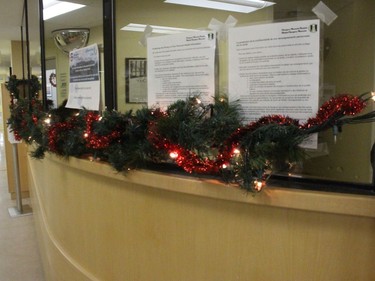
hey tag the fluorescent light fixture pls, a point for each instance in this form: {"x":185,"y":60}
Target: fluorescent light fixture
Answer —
{"x":250,"y":3}
{"x":240,"y":6}
{"x":53,"y":8}
{"x":155,"y":28}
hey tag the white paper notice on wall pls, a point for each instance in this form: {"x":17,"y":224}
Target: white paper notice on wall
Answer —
{"x":274,"y":70}
{"x":11,"y":137}
{"x":180,"y":66}
{"x":324,"y":13}
{"x":84,"y":86}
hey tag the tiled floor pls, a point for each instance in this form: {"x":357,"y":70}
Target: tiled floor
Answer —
{"x":19,"y":257}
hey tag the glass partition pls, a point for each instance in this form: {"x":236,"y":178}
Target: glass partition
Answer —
{"x":66,"y":32}
{"x":335,"y":55}
{"x":345,"y":65}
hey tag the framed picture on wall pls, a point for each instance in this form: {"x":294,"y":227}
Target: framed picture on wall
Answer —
{"x":136,"y":80}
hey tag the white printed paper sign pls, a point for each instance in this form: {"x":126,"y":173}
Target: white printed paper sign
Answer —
{"x":274,"y":69}
{"x":84,"y":86}
{"x":181,"y":66}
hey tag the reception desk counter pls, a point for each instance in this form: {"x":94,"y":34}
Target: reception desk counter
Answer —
{"x":96,"y":224}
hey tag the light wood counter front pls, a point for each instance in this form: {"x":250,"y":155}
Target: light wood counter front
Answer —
{"x":96,"y":224}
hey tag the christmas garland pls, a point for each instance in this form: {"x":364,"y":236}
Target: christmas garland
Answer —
{"x":14,"y":84}
{"x":201,"y":139}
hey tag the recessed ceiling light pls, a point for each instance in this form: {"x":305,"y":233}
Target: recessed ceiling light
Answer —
{"x":241,"y":6}
{"x":155,"y":28}
{"x":53,"y":8}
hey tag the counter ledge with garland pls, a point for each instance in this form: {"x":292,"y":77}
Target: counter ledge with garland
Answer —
{"x":201,"y":139}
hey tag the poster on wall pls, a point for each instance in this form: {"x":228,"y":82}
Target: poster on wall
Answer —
{"x":84,"y":86}
{"x":136,"y":80}
{"x":274,"y":69}
{"x":181,"y":66}
{"x":51,"y":84}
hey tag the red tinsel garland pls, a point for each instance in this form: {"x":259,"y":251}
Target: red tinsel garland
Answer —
{"x":54,"y":134}
{"x":17,"y":136}
{"x":96,"y":141}
{"x":191,"y":162}
{"x":233,"y":141}
{"x":184,"y":158}
{"x":344,"y":104}
{"x":24,"y":114}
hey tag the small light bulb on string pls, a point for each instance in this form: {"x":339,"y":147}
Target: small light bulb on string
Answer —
{"x":373,"y":96}
{"x":47,"y":121}
{"x":173,"y":154}
{"x":236,"y":151}
{"x":224,"y":166}
{"x":85,"y":135}
{"x":198,"y":101}
{"x":258,"y":185}
{"x":93,"y":158}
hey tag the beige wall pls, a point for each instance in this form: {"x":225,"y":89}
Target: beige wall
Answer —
{"x":96,"y":224}
{"x":349,"y":67}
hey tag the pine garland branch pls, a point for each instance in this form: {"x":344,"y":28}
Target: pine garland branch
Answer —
{"x":199,"y":138}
